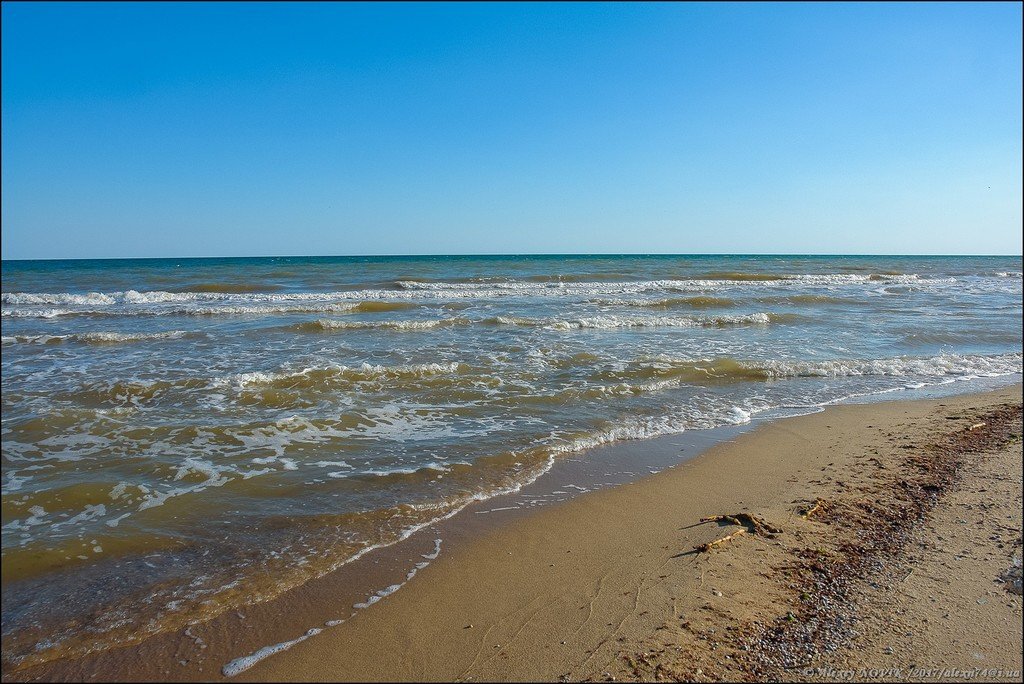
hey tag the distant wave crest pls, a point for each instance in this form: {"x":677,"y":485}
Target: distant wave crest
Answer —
{"x":209,"y":303}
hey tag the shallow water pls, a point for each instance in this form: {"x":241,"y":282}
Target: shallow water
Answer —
{"x":183,"y":436}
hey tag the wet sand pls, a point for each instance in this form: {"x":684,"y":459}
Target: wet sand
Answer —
{"x":902,"y":564}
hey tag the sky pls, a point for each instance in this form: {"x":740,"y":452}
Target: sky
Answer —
{"x":193,"y":129}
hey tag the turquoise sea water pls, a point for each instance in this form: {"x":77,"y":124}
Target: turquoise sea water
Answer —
{"x":185,"y":435}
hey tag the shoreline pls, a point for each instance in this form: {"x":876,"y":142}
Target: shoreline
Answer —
{"x":480,"y":582}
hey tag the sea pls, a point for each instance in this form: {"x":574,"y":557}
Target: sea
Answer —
{"x":182,"y":437}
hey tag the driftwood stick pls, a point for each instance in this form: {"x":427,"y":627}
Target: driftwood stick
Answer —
{"x":704,"y":548}
{"x":745,"y":521}
{"x":818,"y":504}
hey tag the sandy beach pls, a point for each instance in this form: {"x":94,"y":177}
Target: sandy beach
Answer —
{"x":885,"y":540}
{"x":511,"y":342}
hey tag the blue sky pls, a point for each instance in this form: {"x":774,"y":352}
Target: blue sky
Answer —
{"x":276,"y":129}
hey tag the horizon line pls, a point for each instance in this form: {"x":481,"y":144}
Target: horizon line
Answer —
{"x":515,"y":254}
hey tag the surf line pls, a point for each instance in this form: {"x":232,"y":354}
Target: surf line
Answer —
{"x":239,"y":665}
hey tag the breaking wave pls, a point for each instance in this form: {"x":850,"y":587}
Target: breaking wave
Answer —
{"x":98,"y":337}
{"x":732,"y":370}
{"x":612,"y":322}
{"x":133,"y":302}
{"x":333,"y":325}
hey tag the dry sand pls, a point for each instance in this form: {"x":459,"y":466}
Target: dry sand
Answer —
{"x":901,"y":566}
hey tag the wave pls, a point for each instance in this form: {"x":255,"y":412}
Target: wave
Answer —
{"x":140,"y":392}
{"x":612,"y":322}
{"x":332,"y":325}
{"x":933,"y":366}
{"x":707,"y":280}
{"x":99,"y":337}
{"x":697,"y":302}
{"x":334,"y":307}
{"x":134,"y":297}
{"x":127,"y":392}
{"x":659,"y":375}
{"x":42,"y":298}
{"x":433,"y":468}
{"x":148,"y":297}
{"x":36,"y":313}
{"x":637,"y":377}
{"x":412,"y":282}
{"x":700,"y":371}
{"x":310,"y":377}
{"x":132,"y":302}
{"x":156,"y":297}
{"x":732,"y":370}
{"x":410,"y":288}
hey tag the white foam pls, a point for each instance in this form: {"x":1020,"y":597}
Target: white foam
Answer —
{"x":36,"y":517}
{"x":384,"y":472}
{"x":635,"y":321}
{"x":115,"y":337}
{"x":90,"y":512}
{"x":211,"y":304}
{"x":14,"y":482}
{"x":194,"y":465}
{"x":738,"y":416}
{"x":600,"y":287}
{"x":35,"y":313}
{"x":389,"y":590}
{"x":114,"y":522}
{"x":383,"y":593}
{"x":132,"y":302}
{"x":119,"y":490}
{"x":433,"y":554}
{"x":942,"y":365}
{"x":334,"y":324}
{"x":64,"y":298}
{"x":96,"y":337}
{"x":328,"y":464}
{"x":242,"y":664}
{"x":239,"y":665}
{"x":365,"y":372}
{"x":159,"y":498}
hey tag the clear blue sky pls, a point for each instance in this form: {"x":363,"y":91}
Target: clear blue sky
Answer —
{"x":279,"y":129}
